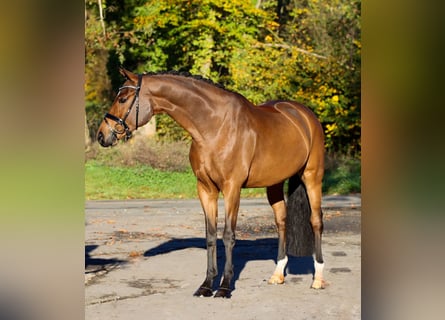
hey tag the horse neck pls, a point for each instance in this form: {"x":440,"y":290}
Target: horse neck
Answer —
{"x":195,"y":105}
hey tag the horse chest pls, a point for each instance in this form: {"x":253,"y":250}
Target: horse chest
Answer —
{"x":217,"y":166}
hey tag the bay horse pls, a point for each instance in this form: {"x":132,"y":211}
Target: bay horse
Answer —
{"x":235,"y":145}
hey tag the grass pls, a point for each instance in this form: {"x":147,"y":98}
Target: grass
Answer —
{"x":142,"y":182}
{"x":149,"y":170}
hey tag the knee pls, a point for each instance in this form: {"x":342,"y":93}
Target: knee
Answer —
{"x":229,"y":237}
{"x":211,"y":242}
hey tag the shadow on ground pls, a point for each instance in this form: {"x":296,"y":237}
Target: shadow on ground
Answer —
{"x":95,"y":265}
{"x":243,"y":252}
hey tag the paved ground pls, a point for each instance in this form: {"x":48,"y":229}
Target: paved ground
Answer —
{"x":144,"y":260}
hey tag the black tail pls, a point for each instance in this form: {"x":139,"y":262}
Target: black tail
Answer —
{"x":299,"y":234}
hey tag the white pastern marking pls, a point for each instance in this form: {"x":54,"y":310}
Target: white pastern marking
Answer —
{"x":281,"y":264}
{"x":318,"y":270}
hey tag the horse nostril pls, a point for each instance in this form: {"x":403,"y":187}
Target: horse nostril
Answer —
{"x":100,"y":138}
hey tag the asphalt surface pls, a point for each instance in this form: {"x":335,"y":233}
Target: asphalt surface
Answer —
{"x":144,"y":259}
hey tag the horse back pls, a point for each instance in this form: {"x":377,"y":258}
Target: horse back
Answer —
{"x":292,"y":113}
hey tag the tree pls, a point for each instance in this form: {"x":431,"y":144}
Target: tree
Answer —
{"x":304,"y":50}
{"x":311,"y":55}
{"x":200,"y":37}
{"x":332,"y":29}
{"x":97,"y":83}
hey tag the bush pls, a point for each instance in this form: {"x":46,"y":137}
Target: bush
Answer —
{"x":342,"y":175}
{"x":165,"y":156}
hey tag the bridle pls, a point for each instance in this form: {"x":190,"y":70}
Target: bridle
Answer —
{"x":121,"y":126}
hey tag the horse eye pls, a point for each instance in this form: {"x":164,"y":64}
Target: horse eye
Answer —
{"x":122,"y":99}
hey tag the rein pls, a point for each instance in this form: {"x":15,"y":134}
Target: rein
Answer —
{"x":121,"y":126}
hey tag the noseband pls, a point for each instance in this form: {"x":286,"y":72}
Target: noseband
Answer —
{"x":121,"y":126}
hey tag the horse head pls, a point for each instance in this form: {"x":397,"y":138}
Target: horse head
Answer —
{"x":127,"y":113}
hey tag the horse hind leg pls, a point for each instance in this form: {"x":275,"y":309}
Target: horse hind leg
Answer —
{"x":275,"y":197}
{"x":312,"y":180}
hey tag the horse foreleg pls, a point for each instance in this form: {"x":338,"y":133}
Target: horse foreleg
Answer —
{"x":231,"y":203}
{"x":208,"y":196}
{"x":275,"y":197}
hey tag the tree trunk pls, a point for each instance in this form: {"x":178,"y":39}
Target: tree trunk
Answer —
{"x":101,"y":14}
{"x":87,"y":136}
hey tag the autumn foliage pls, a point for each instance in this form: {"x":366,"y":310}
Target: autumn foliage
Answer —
{"x":303,"y":50}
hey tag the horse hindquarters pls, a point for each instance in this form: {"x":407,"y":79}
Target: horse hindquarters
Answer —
{"x":299,"y":233}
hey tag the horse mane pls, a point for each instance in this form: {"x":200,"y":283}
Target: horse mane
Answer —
{"x":187,"y":74}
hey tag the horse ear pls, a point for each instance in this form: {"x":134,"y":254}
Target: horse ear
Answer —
{"x":127,"y":74}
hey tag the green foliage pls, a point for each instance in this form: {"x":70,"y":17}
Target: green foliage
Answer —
{"x":149,"y":170}
{"x":168,"y":130}
{"x":315,"y":59}
{"x":200,"y":36}
{"x":342,"y":176}
{"x":332,"y":29}
{"x":97,"y":84}
{"x":303,"y":50}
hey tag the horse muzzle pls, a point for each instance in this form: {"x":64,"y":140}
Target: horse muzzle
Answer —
{"x":106,"y":141}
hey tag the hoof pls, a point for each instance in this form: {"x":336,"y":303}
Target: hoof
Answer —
{"x":276,"y":279}
{"x":223,"y":293}
{"x":203,"y":292}
{"x":318,"y":284}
